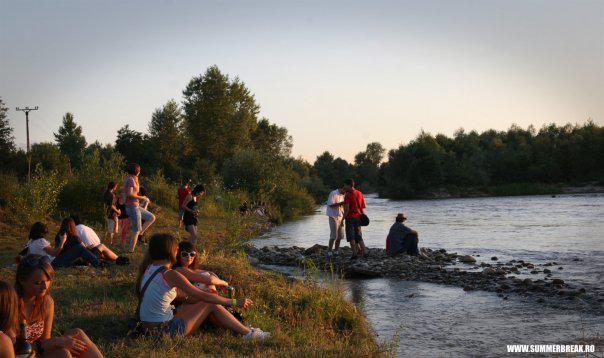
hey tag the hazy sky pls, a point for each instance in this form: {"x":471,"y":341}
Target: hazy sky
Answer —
{"x":337,"y":74}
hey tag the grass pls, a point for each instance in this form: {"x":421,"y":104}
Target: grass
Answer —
{"x":305,"y":319}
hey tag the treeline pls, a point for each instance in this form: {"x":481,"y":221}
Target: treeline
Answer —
{"x":517,"y":158}
{"x":214,"y":137}
{"x":516,"y":161}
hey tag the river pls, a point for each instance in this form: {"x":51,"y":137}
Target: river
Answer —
{"x":437,"y":320}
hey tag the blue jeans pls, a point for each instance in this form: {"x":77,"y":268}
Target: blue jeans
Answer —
{"x":66,"y":259}
{"x":175,"y":327}
{"x":137,"y":215}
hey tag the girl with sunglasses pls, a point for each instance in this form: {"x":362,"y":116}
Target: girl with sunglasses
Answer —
{"x":163,"y":286}
{"x":36,"y":309}
{"x":9,"y":317}
{"x":188,"y":266}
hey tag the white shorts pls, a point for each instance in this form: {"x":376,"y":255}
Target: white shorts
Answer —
{"x":336,"y":228}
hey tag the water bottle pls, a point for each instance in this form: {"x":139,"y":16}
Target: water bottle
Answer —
{"x":231,"y":290}
{"x":23,"y":348}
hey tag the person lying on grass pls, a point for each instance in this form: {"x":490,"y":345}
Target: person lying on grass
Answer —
{"x":72,"y":249}
{"x":93,"y":243}
{"x":36,"y":309}
{"x":188,"y":266}
{"x":156,"y":312}
{"x":9,"y":317}
{"x":66,"y":250}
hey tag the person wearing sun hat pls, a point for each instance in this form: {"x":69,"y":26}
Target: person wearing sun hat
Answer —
{"x":401,"y":239}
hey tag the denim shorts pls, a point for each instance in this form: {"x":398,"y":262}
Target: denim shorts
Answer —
{"x":175,"y":327}
{"x":137,"y":215}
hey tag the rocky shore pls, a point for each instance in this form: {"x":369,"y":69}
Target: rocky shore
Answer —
{"x":440,"y":266}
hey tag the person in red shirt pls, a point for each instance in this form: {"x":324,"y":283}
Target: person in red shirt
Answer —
{"x":183,"y":191}
{"x":354,"y":204}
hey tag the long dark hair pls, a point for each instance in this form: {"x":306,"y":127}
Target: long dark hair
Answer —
{"x":68,"y":227}
{"x":161,"y":247}
{"x":28,"y":265}
{"x":38,"y":231}
{"x":188,"y":247}
{"x":9,"y":308}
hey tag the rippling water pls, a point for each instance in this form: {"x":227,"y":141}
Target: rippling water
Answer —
{"x":437,"y":320}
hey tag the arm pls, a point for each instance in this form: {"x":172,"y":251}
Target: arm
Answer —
{"x":74,"y":345}
{"x":346,"y":208}
{"x":55,"y":252}
{"x":208,"y":279}
{"x":186,"y":201}
{"x":175,"y":279}
{"x":6,"y":346}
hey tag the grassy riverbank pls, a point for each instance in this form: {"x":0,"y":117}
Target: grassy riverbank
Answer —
{"x":304,"y":319}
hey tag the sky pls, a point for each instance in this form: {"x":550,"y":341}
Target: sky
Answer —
{"x":336,"y":74}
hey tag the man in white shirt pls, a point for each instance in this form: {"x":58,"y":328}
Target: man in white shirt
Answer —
{"x":91,"y":241}
{"x":335,"y":213}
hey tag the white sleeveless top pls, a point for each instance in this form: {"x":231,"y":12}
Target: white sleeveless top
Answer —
{"x":156,"y":303}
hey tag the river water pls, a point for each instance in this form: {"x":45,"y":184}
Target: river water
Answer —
{"x":437,"y":320}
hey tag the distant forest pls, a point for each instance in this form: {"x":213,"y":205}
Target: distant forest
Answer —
{"x":516,"y":161}
{"x":214,"y":135}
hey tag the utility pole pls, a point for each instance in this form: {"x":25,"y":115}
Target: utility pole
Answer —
{"x":27,"y":110}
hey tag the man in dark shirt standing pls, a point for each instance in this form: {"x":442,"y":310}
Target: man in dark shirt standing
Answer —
{"x":401,"y":239}
{"x":354,"y":204}
{"x":110,"y":201}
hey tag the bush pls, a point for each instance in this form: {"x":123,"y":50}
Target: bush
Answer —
{"x":9,"y":187}
{"x":84,"y":192}
{"x":161,"y":192}
{"x":35,"y":200}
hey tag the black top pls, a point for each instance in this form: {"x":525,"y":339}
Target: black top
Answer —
{"x":110,"y":200}
{"x":69,"y":243}
{"x":122,"y":209}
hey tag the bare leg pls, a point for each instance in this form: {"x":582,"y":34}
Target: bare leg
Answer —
{"x":226,"y":320}
{"x":331,"y":244}
{"x":362,"y":248}
{"x":353,"y":246}
{"x":147,"y":224}
{"x":107,"y":253}
{"x":194,"y":315}
{"x":58,"y":353}
{"x":92,"y":351}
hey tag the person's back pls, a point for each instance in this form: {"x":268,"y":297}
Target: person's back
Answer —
{"x":401,"y":239}
{"x":356,"y":202}
{"x":155,"y":304}
{"x":89,"y":238}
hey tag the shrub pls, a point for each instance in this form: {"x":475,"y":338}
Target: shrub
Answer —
{"x":35,"y":200}
{"x":161,"y":192}
{"x":84,"y":191}
{"x":9,"y":187}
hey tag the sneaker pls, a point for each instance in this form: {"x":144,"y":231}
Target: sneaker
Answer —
{"x":256,"y":333}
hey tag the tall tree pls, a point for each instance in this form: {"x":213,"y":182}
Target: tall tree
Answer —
{"x":135,"y":147}
{"x":367,"y":166}
{"x":272,"y":139}
{"x":70,"y":140}
{"x":220,"y":115}
{"x":7,"y":141}
{"x":166,"y":136}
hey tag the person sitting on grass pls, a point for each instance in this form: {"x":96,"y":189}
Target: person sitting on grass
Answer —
{"x":401,"y":239}
{"x":9,"y":317}
{"x":188,"y":265}
{"x":91,"y":241}
{"x":162,"y":285}
{"x":36,"y":309}
{"x":191,"y":212}
{"x":71,"y":246}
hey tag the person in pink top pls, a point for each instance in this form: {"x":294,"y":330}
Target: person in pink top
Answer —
{"x":135,"y":212}
{"x":354,"y":204}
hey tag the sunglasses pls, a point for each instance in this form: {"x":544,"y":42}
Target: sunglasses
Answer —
{"x":191,"y":254}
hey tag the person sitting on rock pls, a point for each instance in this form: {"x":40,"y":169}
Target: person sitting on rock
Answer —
{"x":401,"y":239}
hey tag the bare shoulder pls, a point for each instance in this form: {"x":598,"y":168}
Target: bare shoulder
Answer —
{"x":48,"y":300}
{"x":5,"y":345}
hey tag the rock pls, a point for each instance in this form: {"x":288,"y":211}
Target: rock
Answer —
{"x":467,"y":259}
{"x":560,"y":268}
{"x":557,"y":281}
{"x":315,"y":249}
{"x":494,"y":258}
{"x":468,"y":288}
{"x":534,"y":272}
{"x":547,"y":271}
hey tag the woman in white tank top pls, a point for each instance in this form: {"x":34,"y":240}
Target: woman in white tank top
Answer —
{"x":156,"y":310}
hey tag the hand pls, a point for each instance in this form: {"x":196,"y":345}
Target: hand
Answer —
{"x":119,"y":212}
{"x":72,"y":344}
{"x":221,"y":283}
{"x":244,"y":303}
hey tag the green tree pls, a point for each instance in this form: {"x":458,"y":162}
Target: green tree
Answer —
{"x":70,"y":140}
{"x":167,"y":139}
{"x":49,"y":156}
{"x":272,"y":139}
{"x":135,"y":147}
{"x":7,"y":141}
{"x":367,"y":166}
{"x":220,"y":115}
{"x":332,"y":171}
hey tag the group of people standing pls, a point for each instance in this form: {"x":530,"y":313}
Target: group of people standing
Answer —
{"x":345,"y":211}
{"x":129,"y":208}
